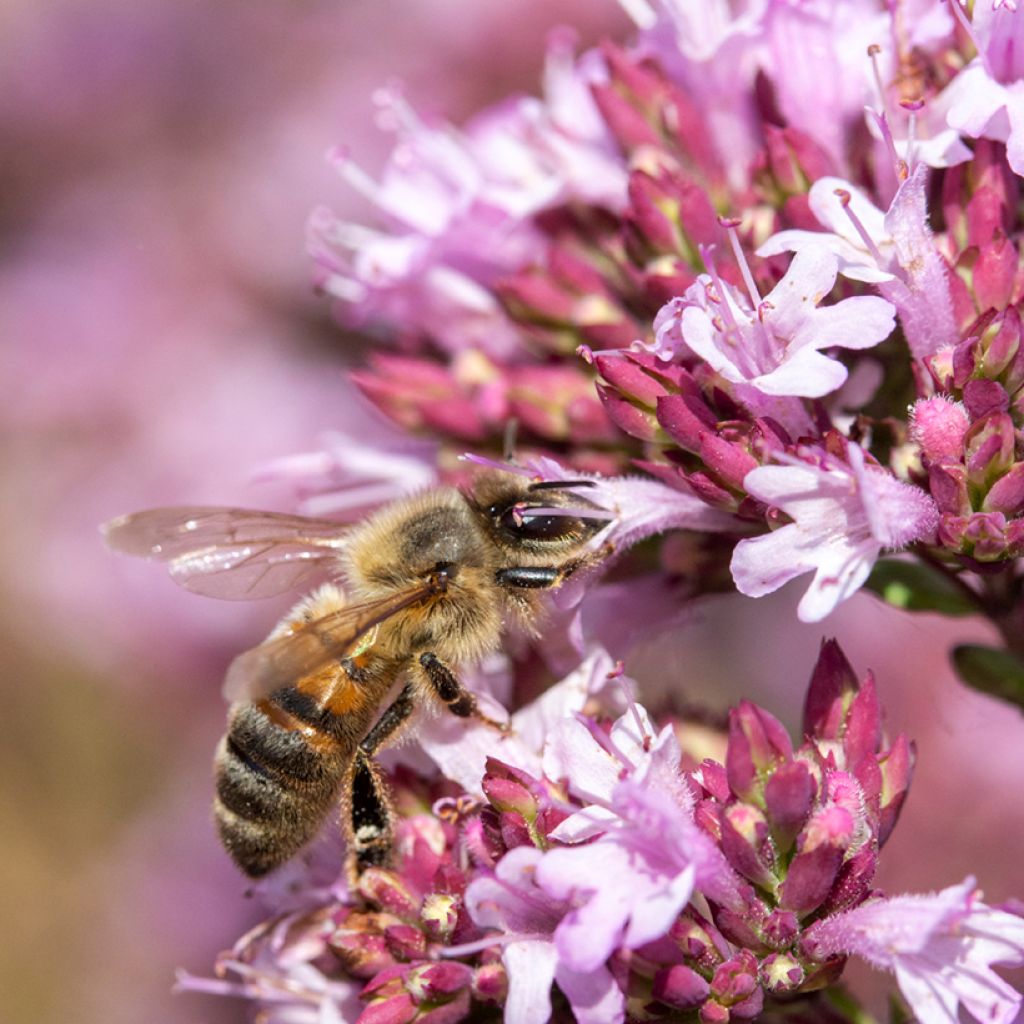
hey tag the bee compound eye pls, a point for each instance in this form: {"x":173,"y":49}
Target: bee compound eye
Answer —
{"x":522,"y":522}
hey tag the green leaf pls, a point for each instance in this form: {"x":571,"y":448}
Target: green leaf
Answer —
{"x":993,"y":670}
{"x":917,"y":587}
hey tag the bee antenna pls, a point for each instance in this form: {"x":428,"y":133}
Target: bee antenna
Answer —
{"x":560,"y":485}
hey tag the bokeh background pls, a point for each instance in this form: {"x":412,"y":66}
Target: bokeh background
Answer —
{"x":159,"y":339}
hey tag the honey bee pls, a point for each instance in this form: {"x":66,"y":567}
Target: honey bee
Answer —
{"x":424,"y":585}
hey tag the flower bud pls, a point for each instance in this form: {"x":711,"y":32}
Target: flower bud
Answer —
{"x":736,"y":978}
{"x":938,"y":425}
{"x":746,"y":844}
{"x":681,"y":987}
{"x":490,"y":983}
{"x":780,"y":972}
{"x":757,"y":743}
{"x":405,"y":942}
{"x":389,"y":891}
{"x":436,"y":981}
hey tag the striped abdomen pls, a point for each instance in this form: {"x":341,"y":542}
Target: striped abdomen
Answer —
{"x":278,"y":770}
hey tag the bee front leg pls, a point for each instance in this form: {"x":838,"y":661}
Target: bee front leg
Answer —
{"x":546,"y":577}
{"x":456,"y":697}
{"x":369,"y":819}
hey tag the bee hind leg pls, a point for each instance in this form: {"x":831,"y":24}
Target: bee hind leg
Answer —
{"x":368,"y":818}
{"x":452,"y":693}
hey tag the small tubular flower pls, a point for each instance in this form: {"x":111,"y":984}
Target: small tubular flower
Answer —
{"x":844,"y":515}
{"x":940,"y":947}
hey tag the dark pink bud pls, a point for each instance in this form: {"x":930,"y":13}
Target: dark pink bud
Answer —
{"x":948,"y":486}
{"x":713,"y":779}
{"x":629,"y":126}
{"x":938,"y":425}
{"x":780,"y":972}
{"x":853,"y":883}
{"x":452,"y":1012}
{"x":985,"y":536}
{"x":630,"y":418}
{"x":686,"y":419}
{"x":1007,"y":493}
{"x":693,"y":940}
{"x":405,"y":942}
{"x":508,"y":789}
{"x":863,"y":726}
{"x":982,"y":397}
{"x":832,"y":687}
{"x":389,"y":891}
{"x":740,"y":927}
{"x":897,"y":767}
{"x":710,"y":491}
{"x":490,"y":983}
{"x":679,"y":986}
{"x":514,"y":830}
{"x":749,"y":1008}
{"x":650,"y":214}
{"x":757,"y":743}
{"x":736,"y":978}
{"x":397,"y":1009}
{"x":989,"y":447}
{"x":794,"y":160}
{"x":360,"y":946}
{"x":780,"y":928}
{"x":995,"y":273}
{"x":787,"y":797}
{"x":730,"y":462}
{"x":810,"y":877}
{"x":746,"y":844}
{"x":713,"y":1013}
{"x":438,"y":980}
{"x":965,"y":359}
{"x":627,"y":374}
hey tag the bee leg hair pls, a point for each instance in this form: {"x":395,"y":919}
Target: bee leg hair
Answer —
{"x":368,"y":817}
{"x":455,"y":696}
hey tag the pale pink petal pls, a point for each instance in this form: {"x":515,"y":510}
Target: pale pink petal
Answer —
{"x":531,"y":969}
{"x":859,"y":322}
{"x":594,"y":996}
{"x":838,"y":577}
{"x":573,"y":753}
{"x":653,"y":916}
{"x":806,"y":372}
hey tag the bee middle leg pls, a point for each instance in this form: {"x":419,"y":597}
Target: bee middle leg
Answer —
{"x":455,"y":696}
{"x":369,"y":823}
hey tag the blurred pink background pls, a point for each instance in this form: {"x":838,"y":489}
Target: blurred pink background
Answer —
{"x":158,"y":340}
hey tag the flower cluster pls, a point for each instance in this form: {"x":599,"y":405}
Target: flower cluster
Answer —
{"x":766,"y":255}
{"x":593,"y":862}
{"x":688,"y":258}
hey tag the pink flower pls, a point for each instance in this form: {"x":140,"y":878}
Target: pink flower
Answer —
{"x":986,"y":99}
{"x":459,"y":208}
{"x":844,"y":516}
{"x":641,"y":811}
{"x":710,"y":49}
{"x":512,"y":902}
{"x":774,"y":345}
{"x":939,"y":946}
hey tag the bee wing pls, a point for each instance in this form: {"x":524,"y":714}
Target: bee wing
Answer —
{"x":284,"y":660}
{"x":233,"y":553}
